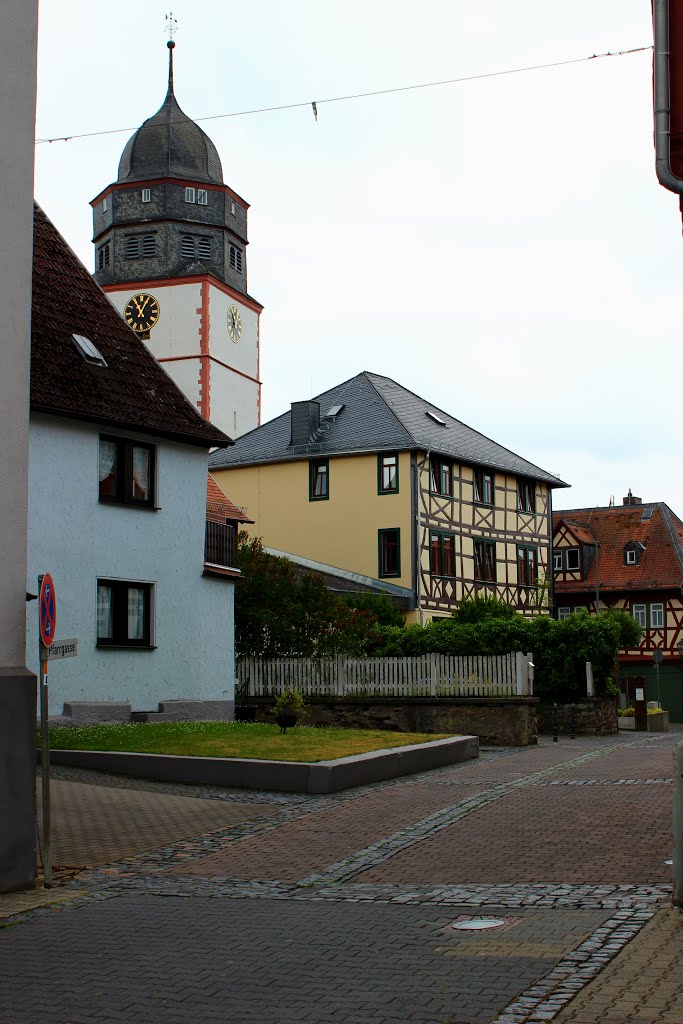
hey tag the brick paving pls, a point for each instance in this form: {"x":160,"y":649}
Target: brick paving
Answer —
{"x":282,"y":908}
{"x":95,"y":826}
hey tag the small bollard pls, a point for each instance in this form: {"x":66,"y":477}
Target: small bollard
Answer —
{"x":555,"y":722}
{"x":572,"y":720}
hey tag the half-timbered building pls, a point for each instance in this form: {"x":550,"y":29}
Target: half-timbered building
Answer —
{"x":376,"y":488}
{"x":628,"y":556}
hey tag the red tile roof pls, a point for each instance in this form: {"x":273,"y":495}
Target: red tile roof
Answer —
{"x":661,"y":561}
{"x":132,"y":391}
{"x":219,"y":507}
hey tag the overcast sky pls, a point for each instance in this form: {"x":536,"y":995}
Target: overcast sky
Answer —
{"x":501,"y":246}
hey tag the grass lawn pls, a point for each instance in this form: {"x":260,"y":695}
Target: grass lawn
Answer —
{"x":233,"y":739}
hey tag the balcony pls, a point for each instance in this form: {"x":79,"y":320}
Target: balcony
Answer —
{"x":220,"y":541}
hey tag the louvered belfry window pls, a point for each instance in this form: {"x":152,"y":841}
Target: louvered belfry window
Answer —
{"x":204,"y":248}
{"x":187,"y":247}
{"x":236,"y":258}
{"x":149,"y":245}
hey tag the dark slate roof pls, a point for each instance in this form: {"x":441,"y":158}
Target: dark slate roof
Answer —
{"x":170,"y":145}
{"x":378,"y":415}
{"x":660,"y":534}
{"x":132,"y":391}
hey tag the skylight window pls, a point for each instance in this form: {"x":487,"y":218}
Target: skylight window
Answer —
{"x":90,"y":353}
{"x":334,"y":411}
{"x":437,"y":419}
{"x":647,"y":514}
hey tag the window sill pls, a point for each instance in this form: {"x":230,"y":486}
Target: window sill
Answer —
{"x":130,"y":504}
{"x":126,"y":647}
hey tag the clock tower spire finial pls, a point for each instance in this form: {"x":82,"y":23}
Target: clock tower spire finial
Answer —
{"x":171,"y":29}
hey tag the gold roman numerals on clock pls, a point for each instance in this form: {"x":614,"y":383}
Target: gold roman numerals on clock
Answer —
{"x":141,"y":312}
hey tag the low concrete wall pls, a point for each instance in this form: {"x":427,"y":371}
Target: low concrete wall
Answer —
{"x":594,"y":716}
{"x":496,"y":721}
{"x":287,"y":776}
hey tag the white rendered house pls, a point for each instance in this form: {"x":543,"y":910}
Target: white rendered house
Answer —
{"x":117,"y":512}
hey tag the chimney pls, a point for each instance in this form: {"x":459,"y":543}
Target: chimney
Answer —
{"x":305,"y":422}
{"x":631,"y":499}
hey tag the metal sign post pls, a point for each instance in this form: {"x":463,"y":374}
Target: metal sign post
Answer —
{"x":47,"y":620}
{"x":657,"y":657}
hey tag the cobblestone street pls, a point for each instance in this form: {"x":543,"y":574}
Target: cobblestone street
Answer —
{"x":216,"y":905}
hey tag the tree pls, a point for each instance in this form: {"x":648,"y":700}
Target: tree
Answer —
{"x":280,"y":612}
{"x":380,"y":605}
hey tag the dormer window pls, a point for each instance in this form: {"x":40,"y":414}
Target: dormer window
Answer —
{"x":632,"y":553}
{"x":572,"y":559}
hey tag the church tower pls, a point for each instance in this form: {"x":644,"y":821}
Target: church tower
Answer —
{"x":171,"y":253}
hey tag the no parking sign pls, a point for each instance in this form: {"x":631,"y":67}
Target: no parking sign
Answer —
{"x":47,"y":610}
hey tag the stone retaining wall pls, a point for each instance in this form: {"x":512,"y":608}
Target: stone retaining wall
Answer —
{"x":593,"y":716}
{"x":508,"y":722}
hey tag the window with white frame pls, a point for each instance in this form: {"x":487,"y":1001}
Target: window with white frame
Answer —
{"x":557,"y":561}
{"x":563,"y":613}
{"x":189,"y":195}
{"x":233,"y":209}
{"x":124,"y":613}
{"x":640,"y":614}
{"x":572,"y":559}
{"x":656,"y":616}
{"x":202,"y":197}
{"x":146,"y":195}
{"x":105,"y":204}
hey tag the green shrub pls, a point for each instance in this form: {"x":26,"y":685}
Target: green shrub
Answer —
{"x":477,"y":609}
{"x":560,"y":649}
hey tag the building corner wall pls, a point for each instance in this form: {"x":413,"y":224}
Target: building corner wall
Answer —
{"x":18,"y":46}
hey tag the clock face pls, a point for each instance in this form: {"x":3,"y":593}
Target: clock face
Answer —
{"x":234,"y":323}
{"x":141,"y":312}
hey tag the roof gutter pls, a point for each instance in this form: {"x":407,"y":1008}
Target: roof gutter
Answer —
{"x":662,"y":98}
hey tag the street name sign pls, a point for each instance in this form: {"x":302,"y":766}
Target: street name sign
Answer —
{"x":61,"y":649}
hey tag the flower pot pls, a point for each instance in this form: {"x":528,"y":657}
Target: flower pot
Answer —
{"x":286,"y":720}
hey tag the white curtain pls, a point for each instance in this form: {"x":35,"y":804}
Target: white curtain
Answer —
{"x":140,"y":472}
{"x":104,"y":612}
{"x":136,"y":613}
{"x":107,"y":458}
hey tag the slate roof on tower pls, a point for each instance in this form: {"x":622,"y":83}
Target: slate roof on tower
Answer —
{"x":377,"y":414}
{"x":132,"y":391}
{"x":170,"y":145}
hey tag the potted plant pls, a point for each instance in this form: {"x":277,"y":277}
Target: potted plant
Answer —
{"x":288,"y":708}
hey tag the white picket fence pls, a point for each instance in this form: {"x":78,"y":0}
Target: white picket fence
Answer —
{"x":432,"y":675}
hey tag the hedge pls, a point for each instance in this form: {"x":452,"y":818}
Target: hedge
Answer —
{"x":560,"y":649}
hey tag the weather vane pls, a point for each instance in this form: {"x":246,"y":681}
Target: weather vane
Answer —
{"x":171,"y":25}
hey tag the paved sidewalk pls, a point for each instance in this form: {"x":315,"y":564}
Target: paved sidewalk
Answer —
{"x":278,"y":909}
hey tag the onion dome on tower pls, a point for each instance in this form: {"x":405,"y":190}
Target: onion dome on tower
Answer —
{"x":170,"y":144}
{"x":169,"y":213}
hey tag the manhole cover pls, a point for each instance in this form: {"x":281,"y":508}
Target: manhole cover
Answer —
{"x":475,"y":924}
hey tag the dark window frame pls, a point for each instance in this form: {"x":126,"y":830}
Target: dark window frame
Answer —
{"x":384,"y":537}
{"x":235,"y":258}
{"x":482,"y":477}
{"x":119,"y":638}
{"x":441,"y":472}
{"x":486,"y":549}
{"x":124,"y":480}
{"x":382,"y":458}
{"x":104,"y":256}
{"x":523,"y":553}
{"x":313,"y":475}
{"x":437,"y":553}
{"x":526,"y":496}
